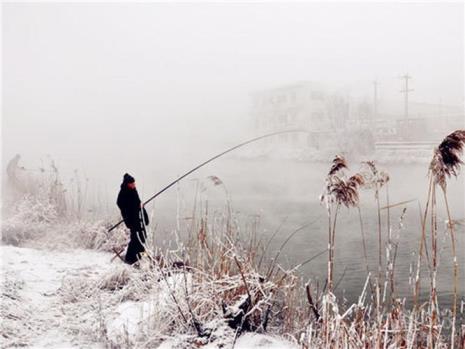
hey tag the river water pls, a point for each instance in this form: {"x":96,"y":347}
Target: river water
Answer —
{"x":286,"y":193}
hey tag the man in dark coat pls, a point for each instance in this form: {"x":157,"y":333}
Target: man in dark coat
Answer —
{"x":133,"y":213}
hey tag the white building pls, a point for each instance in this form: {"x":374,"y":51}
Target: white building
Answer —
{"x":304,"y":105}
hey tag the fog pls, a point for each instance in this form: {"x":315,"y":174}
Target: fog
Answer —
{"x":153,"y":88}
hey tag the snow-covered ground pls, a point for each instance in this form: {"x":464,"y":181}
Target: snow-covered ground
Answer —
{"x":54,"y":299}
{"x":32,"y":312}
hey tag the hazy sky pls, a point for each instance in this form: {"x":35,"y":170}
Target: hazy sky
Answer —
{"x":109,"y":87}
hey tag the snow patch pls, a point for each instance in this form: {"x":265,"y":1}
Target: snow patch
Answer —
{"x":31,"y":310}
{"x":256,"y":341}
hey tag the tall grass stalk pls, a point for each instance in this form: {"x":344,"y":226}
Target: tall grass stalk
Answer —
{"x":446,"y":162}
{"x":422,"y":247}
{"x":450,"y":226}
{"x":362,"y":230}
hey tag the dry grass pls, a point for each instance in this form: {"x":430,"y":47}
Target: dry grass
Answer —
{"x":446,"y":162}
{"x":217,"y":284}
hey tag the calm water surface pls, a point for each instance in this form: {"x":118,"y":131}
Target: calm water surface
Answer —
{"x":285,"y":192}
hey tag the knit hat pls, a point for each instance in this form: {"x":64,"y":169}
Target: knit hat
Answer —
{"x":128,"y":178}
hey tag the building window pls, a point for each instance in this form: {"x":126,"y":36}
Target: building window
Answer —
{"x":316,"y":96}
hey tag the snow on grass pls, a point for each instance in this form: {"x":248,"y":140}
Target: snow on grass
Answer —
{"x":255,"y":341}
{"x":223,"y":337}
{"x":78,"y":298}
{"x":30,"y":279}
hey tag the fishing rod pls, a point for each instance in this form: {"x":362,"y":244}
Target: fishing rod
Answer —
{"x":208,"y":161}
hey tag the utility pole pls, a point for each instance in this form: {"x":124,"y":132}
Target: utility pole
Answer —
{"x":375,"y":99}
{"x":406,"y":91}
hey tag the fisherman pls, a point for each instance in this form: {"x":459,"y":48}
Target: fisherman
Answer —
{"x":12,"y":171}
{"x":135,"y":217}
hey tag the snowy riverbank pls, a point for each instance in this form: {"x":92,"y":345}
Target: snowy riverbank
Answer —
{"x":64,"y":299}
{"x":32,"y":311}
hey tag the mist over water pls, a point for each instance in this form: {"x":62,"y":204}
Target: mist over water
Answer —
{"x":263,"y":193}
{"x":155,"y":89}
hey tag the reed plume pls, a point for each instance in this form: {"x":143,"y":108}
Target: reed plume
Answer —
{"x":446,"y":160}
{"x":374,"y":178}
{"x":216,"y":180}
{"x":339,"y":189}
{"x":339,"y":163}
{"x":345,"y":192}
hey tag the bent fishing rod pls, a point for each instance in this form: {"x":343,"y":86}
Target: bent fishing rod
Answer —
{"x":208,"y":161}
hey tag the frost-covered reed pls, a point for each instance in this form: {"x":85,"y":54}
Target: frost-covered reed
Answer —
{"x":221,"y":282}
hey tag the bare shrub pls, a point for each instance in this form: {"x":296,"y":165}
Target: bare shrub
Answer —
{"x":29,"y":219}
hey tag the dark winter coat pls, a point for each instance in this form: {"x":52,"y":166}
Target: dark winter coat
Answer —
{"x":129,"y":203}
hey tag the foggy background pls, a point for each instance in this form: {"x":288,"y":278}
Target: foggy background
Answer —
{"x":154,"y":89}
